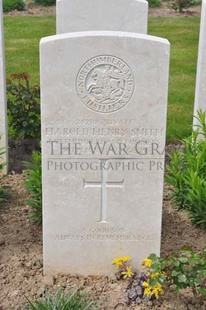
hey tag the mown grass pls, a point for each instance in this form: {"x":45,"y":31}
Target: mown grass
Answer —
{"x":183,"y":35}
{"x":22,"y":36}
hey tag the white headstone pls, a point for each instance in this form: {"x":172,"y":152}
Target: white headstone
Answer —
{"x":3,"y":102}
{"x":104,"y":103}
{"x":200,"y":92}
{"x":91,"y":15}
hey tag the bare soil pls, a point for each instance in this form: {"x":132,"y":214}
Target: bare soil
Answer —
{"x":166,"y":11}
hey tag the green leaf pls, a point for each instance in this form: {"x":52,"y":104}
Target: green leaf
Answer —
{"x":183,"y":260}
{"x":186,"y":248}
{"x":202,"y":291}
{"x":182,"y":278}
{"x":198,"y":280}
{"x":174,"y":273}
{"x":153,"y":282}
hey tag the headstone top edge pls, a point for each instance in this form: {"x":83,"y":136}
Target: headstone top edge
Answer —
{"x":203,"y":3}
{"x":143,"y":1}
{"x":120,"y":34}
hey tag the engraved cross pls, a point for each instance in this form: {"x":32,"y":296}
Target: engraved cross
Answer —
{"x":103,"y":184}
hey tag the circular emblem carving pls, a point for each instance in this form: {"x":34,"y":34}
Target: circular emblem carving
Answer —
{"x":105,"y":84}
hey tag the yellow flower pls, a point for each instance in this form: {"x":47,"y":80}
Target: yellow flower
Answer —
{"x":148,"y":291}
{"x":128,"y":273}
{"x":157,"y":290}
{"x":153,"y":290}
{"x":121,"y":260}
{"x":145,"y":284}
{"x":146,"y":262}
{"x":126,"y":259}
{"x":117,"y":262}
{"x":155,"y":275}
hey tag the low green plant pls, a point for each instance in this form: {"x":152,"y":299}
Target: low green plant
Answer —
{"x":33,"y":184}
{"x":185,"y":269}
{"x":180,"y":5}
{"x":154,"y":3}
{"x":61,"y":301}
{"x":10,"y":5}
{"x":186,"y":174}
{"x":23,"y":107}
{"x":3,"y":194}
{"x":46,"y":2}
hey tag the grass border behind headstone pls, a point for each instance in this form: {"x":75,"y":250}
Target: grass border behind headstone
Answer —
{"x":23,"y":33}
{"x":22,"y":37}
{"x":183,"y":35}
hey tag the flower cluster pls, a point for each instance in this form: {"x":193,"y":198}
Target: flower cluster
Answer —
{"x":124,"y":271}
{"x":128,"y":273}
{"x":153,"y":286}
{"x":185,"y":269}
{"x":152,"y":291}
{"x":146,"y":263}
{"x":121,"y":260}
{"x":141,"y":287}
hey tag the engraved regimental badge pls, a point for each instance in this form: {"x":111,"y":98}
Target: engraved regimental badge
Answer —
{"x":105,"y":84}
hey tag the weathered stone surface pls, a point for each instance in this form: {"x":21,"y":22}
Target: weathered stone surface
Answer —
{"x":3,"y":103}
{"x":200,"y":92}
{"x":104,"y":103}
{"x":114,"y":15}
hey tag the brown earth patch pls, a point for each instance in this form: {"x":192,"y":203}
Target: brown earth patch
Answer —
{"x":34,"y":9}
{"x":166,"y":11}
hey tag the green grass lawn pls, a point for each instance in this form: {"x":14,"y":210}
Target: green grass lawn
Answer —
{"x":22,"y":36}
{"x":183,"y":35}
